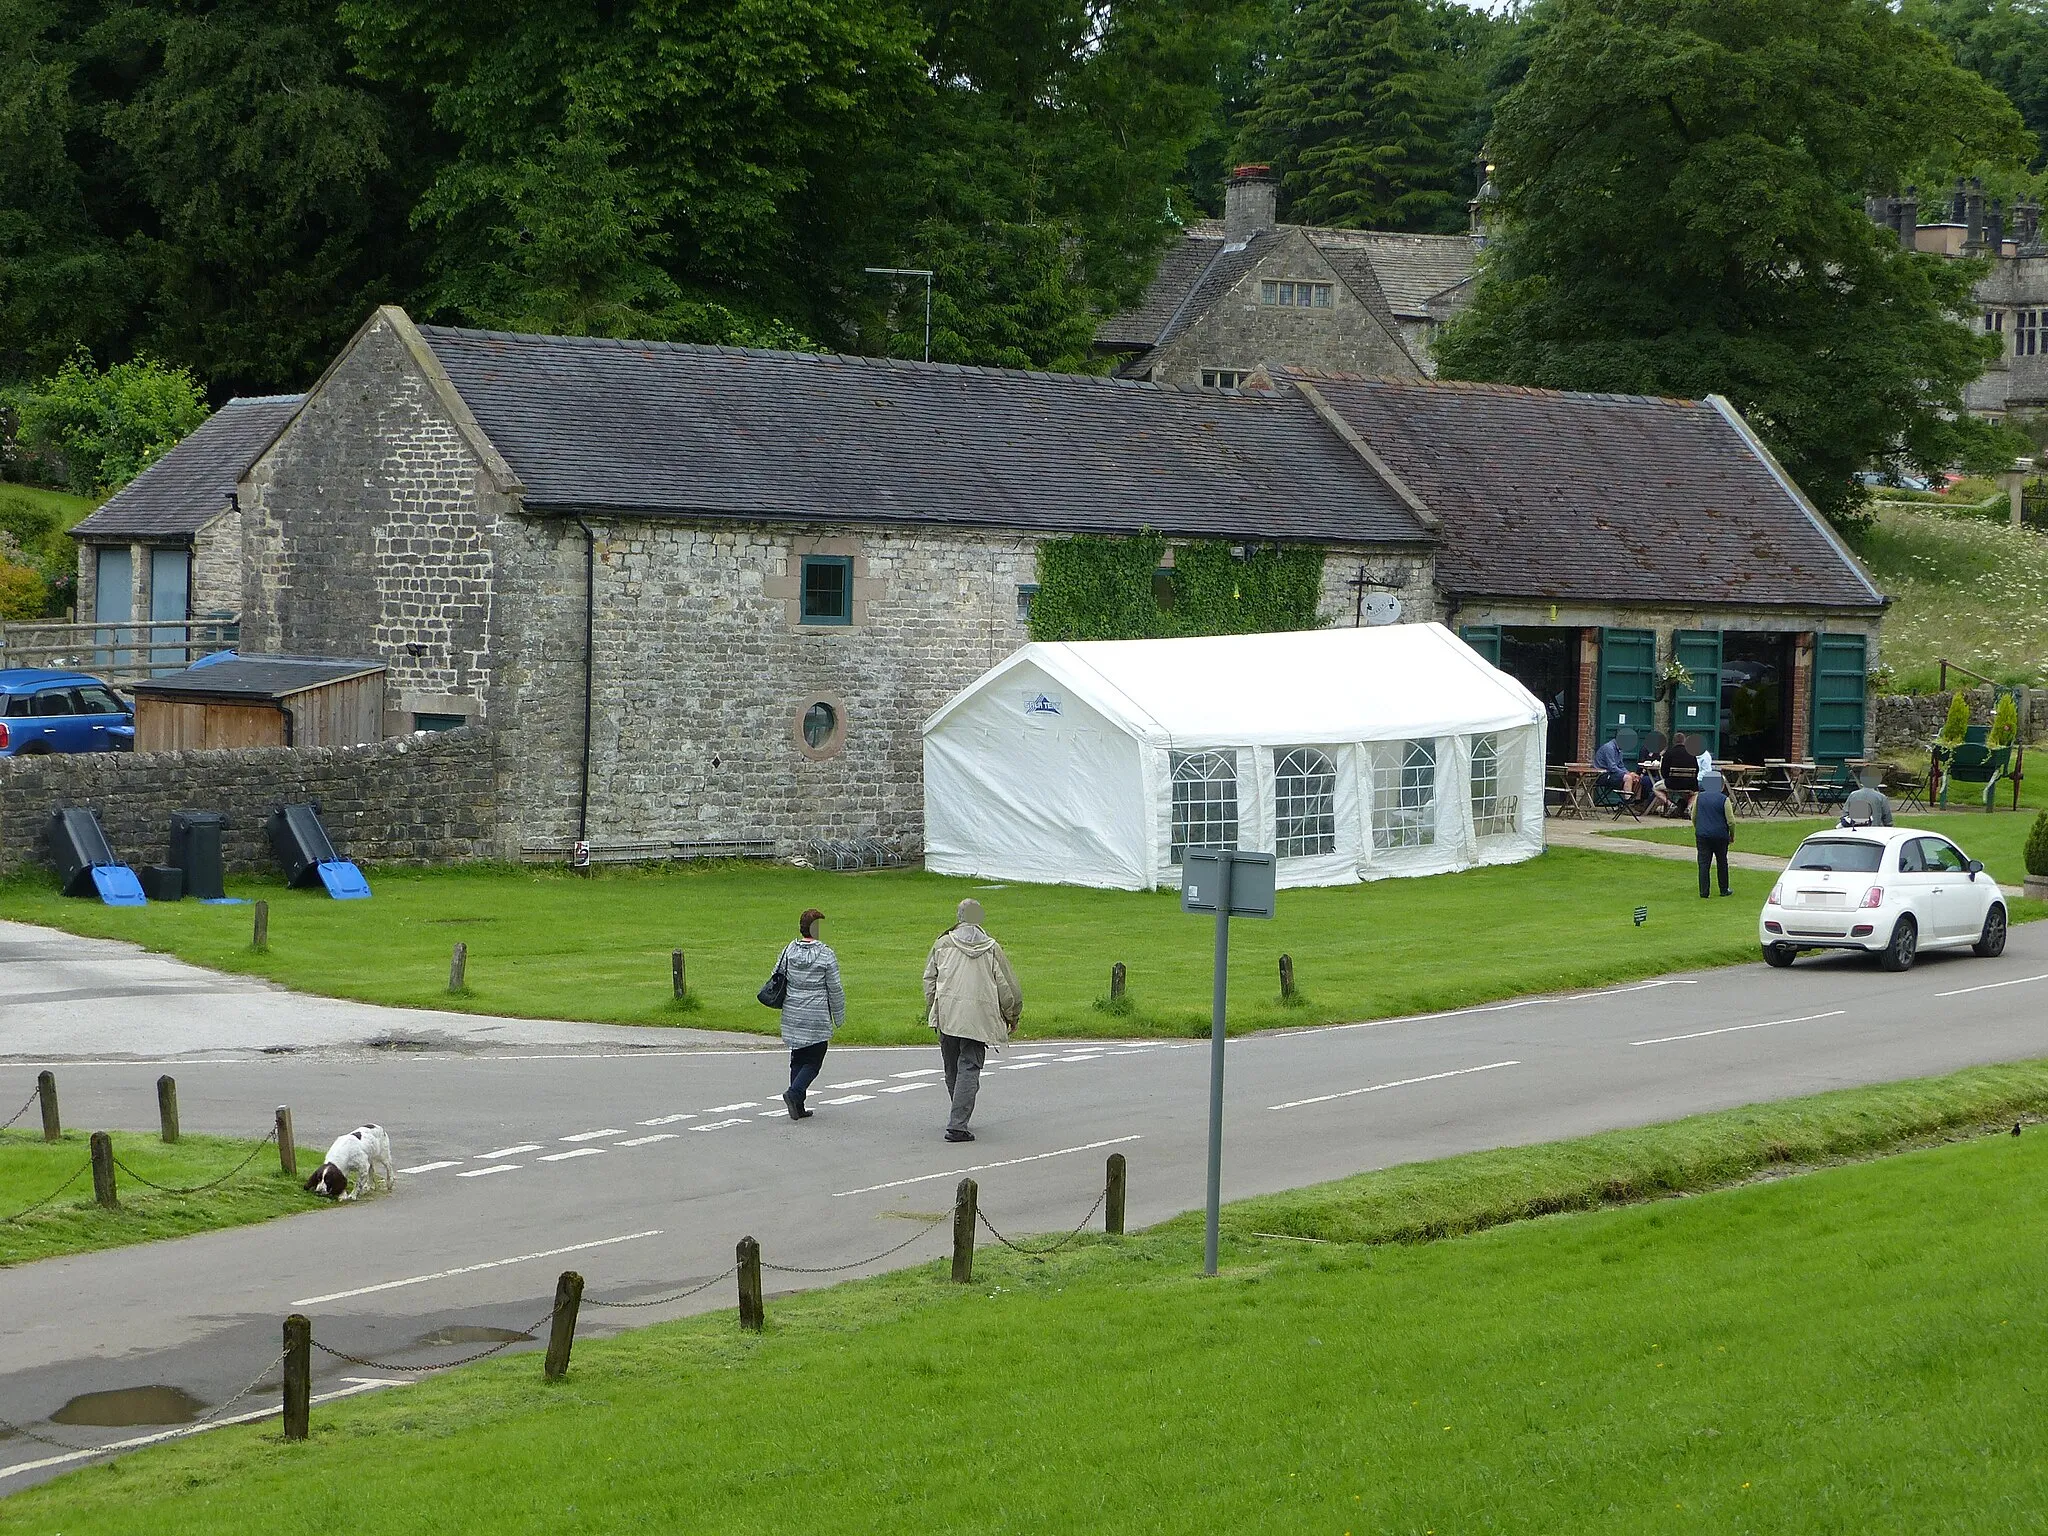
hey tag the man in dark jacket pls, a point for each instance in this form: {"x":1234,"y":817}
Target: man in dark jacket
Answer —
{"x":1712,"y":830}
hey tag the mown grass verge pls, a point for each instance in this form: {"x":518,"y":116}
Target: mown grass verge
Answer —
{"x":1858,"y":1349}
{"x":31,"y":1168}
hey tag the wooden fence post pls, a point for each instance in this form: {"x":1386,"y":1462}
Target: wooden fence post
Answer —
{"x":46,"y":1090}
{"x":1116,"y":982}
{"x":167,"y":1105}
{"x":1113,"y":1196}
{"x":675,"y":972}
{"x":1286,"y":976}
{"x":457,"y":964}
{"x":261,"y":940}
{"x":298,"y":1376}
{"x":963,"y":1232}
{"x":562,"y":1336}
{"x":287,"y":1149}
{"x":752,"y":1316}
{"x":103,"y":1169}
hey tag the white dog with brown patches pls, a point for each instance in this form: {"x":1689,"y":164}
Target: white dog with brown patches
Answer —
{"x":353,"y":1164}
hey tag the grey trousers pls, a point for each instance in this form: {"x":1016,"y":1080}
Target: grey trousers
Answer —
{"x":963,"y":1059}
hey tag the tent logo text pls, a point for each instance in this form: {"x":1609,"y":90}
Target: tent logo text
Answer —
{"x":1041,"y":704}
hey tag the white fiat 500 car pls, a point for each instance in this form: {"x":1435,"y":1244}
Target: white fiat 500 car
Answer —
{"x":1891,"y":890}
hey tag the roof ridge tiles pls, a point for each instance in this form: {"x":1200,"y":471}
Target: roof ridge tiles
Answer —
{"x":1485,"y":386}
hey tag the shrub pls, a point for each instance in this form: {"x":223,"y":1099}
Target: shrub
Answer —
{"x":2037,"y":846}
{"x":2005,"y":723}
{"x":110,"y":426}
{"x":1957,"y":726}
{"x":23,"y":593}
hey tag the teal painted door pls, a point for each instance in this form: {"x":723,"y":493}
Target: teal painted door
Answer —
{"x":1697,"y":709}
{"x":1628,"y":682}
{"x":1841,"y":693}
{"x":1483,"y":638}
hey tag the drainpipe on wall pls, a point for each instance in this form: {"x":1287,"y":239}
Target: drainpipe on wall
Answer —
{"x":589,"y":629}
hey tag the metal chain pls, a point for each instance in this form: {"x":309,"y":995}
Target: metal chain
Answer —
{"x":53,"y":1194}
{"x":525,"y":1337}
{"x":254,"y":1382}
{"x":200,"y":1189}
{"x":982,"y":1216}
{"x":662,"y":1301}
{"x":21,"y":1111}
{"x":28,"y":1434}
{"x":205,"y":1418}
{"x":833,"y":1269}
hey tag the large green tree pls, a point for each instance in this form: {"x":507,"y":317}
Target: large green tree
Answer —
{"x":1682,"y":185}
{"x":2004,"y":41}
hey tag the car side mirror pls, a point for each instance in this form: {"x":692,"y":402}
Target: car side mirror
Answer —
{"x":1973,"y":867}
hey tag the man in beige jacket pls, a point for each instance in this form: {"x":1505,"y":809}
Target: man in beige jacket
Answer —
{"x":973,"y":1001}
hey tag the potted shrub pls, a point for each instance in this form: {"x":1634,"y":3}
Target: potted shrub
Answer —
{"x":2037,"y":859}
{"x":1957,"y":725}
{"x":2005,"y":723}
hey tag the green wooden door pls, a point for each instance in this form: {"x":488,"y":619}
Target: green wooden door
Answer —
{"x":1483,"y":638}
{"x":1696,"y":709}
{"x":1628,"y":682}
{"x":1841,"y":693}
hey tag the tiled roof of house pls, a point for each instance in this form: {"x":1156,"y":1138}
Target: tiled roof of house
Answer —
{"x":1179,"y":270}
{"x":186,"y":489}
{"x":1610,"y":499}
{"x":659,"y":429}
{"x":1412,"y":269}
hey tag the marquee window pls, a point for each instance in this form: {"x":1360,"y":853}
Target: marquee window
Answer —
{"x":1305,"y":808}
{"x":1295,"y":295}
{"x":1493,"y":813}
{"x":1404,"y":797}
{"x":1204,"y":801}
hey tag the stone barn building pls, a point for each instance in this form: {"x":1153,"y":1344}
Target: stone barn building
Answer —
{"x":703,"y":598}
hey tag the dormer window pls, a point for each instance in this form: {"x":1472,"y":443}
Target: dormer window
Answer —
{"x":1287,"y":295}
{"x":1225,"y":378}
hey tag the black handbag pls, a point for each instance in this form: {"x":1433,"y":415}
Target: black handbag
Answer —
{"x":775,"y":990}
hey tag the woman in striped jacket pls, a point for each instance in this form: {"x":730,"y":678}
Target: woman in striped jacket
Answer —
{"x":813,"y":1008}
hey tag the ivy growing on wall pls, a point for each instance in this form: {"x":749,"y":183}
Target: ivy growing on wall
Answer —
{"x":1095,"y":588}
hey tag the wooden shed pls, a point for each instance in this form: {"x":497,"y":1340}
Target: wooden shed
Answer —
{"x":231,"y":700}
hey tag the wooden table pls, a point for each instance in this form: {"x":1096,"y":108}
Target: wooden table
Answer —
{"x":1577,"y":781}
{"x":1740,"y":779}
{"x":1799,"y":779}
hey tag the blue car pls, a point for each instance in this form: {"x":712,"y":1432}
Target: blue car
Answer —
{"x":44,"y":711}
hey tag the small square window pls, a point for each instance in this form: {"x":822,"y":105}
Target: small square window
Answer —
{"x":1225,"y":378}
{"x":827,"y":589}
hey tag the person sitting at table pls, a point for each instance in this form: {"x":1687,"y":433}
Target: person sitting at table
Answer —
{"x":1866,"y":804}
{"x":1650,"y":770}
{"x":1681,"y":774}
{"x":1698,"y":744}
{"x":1616,"y":776}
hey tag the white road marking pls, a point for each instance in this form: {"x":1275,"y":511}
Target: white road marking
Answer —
{"x":591,"y":1135}
{"x":477,"y":1173}
{"x":1406,"y":1082}
{"x":1036,"y":1157}
{"x":726,"y":1109}
{"x":667,"y":1119}
{"x":1014,"y":1066}
{"x":641,"y":1141}
{"x":719,"y":1125}
{"x":429,"y":1167}
{"x":524,"y":1146}
{"x":921,"y":1072}
{"x":1992,"y":986}
{"x":471,"y":1269}
{"x":557,"y":1157}
{"x":851,"y":1098}
{"x":771,"y":1114}
{"x":907,"y":1087}
{"x":356,"y":1384}
{"x":858,"y":1082}
{"x":1458,"y":1013}
{"x":1701,"y":1034}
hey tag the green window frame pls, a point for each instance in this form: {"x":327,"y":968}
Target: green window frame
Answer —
{"x":825,"y":589}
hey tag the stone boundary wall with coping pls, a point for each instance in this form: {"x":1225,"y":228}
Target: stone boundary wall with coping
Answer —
{"x":1899,"y":721}
{"x":416,"y":799}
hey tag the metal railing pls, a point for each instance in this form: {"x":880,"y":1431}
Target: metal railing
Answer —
{"x":118,"y":652}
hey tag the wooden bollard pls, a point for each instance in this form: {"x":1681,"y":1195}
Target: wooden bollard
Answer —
{"x":287,"y":1149}
{"x":457,"y":964}
{"x":1116,"y":982}
{"x":752,"y":1316}
{"x":167,"y":1105}
{"x":46,"y":1090}
{"x":963,"y":1232}
{"x":562,"y":1336}
{"x":675,"y":973}
{"x":1113,"y":1195}
{"x":1286,"y":976}
{"x":103,"y":1169}
{"x":262,"y":936}
{"x":298,"y":1376}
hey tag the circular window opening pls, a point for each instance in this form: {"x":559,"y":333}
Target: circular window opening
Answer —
{"x":820,"y":721}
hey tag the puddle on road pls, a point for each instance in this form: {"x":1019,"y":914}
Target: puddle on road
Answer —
{"x":131,"y":1405}
{"x":467,"y":1333}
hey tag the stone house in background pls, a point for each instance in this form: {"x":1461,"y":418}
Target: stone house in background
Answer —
{"x":1246,"y":293}
{"x":168,"y":545}
{"x":706,"y":597}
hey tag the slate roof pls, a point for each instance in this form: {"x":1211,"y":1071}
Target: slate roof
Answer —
{"x":263,"y":678}
{"x":1412,"y":269}
{"x":187,"y":488}
{"x":655,"y":429}
{"x":1605,"y":499}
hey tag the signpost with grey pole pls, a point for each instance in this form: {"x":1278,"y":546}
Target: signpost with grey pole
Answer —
{"x":1230,"y":884}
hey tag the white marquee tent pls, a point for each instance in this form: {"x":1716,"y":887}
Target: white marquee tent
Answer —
{"x":1352,"y":754}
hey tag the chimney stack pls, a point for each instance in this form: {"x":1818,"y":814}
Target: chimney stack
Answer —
{"x":1959,"y":203}
{"x":1909,"y":219}
{"x":1994,"y":228}
{"x":1973,"y":217}
{"x":1250,"y":203}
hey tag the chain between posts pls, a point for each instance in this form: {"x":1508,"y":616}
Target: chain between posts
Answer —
{"x":82,"y":1170}
{"x":4,"y":1124}
{"x":205,"y":1418}
{"x":662,"y":1301}
{"x":833,"y":1269}
{"x":1050,"y":1248}
{"x":199,"y":1189}
{"x":525,"y":1337}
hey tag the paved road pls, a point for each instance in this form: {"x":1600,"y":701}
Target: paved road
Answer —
{"x":641,"y":1167}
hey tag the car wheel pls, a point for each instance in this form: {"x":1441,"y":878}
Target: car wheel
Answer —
{"x":1778,"y":956}
{"x":1992,"y":942}
{"x":34,"y":749}
{"x":1898,"y":955}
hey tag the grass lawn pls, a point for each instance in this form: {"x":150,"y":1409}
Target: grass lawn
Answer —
{"x":30,"y":1168}
{"x":65,"y":507}
{"x":1975,"y":592}
{"x":546,"y":943}
{"x":1858,"y":1349}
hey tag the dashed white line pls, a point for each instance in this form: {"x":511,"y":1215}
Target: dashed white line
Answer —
{"x":719,"y":1125}
{"x":1405,"y":1082}
{"x":641,"y":1141}
{"x":1036,"y":1157}
{"x":591,"y":1135}
{"x":1992,"y":986}
{"x":471,"y":1269}
{"x":908,"y":1087}
{"x":667,"y":1119}
{"x":851,"y":1098}
{"x":1014,"y":1066}
{"x":430,"y":1167}
{"x":726,"y":1109}
{"x":1732,"y":1029}
{"x":858,"y":1082}
{"x":477,"y":1173}
{"x":921,"y":1072}
{"x":557,"y":1157}
{"x":524,"y":1146}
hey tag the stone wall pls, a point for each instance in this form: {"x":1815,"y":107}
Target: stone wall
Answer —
{"x":1909,"y":721}
{"x":411,"y":799}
